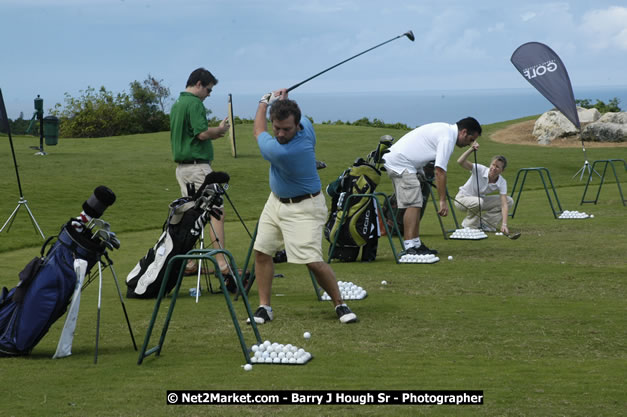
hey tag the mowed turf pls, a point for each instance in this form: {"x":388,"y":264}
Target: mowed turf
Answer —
{"x":538,"y":323}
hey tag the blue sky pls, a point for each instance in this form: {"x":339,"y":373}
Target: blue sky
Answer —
{"x":54,"y":47}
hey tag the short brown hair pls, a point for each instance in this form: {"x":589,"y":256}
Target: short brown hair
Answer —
{"x":282,"y":109}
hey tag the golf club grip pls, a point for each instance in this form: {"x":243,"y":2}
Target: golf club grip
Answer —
{"x":340,"y":63}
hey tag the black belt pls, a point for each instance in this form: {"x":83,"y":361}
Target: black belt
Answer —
{"x":298,"y":198}
{"x":195,"y":161}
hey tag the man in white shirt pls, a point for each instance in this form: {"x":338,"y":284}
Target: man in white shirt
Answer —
{"x":407,"y":157}
{"x":484,"y":210}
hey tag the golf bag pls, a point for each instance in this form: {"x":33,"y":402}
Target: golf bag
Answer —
{"x":356,"y":227}
{"x":181,"y":230}
{"x":426,"y":178}
{"x":48,"y":282}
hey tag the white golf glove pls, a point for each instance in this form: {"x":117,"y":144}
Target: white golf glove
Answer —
{"x":269,"y":98}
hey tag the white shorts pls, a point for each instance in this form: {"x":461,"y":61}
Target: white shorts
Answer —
{"x":296,"y":226}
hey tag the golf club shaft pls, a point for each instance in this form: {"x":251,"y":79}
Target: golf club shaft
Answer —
{"x":409,"y":34}
{"x":478,"y":191}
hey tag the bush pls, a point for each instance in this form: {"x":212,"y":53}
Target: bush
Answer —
{"x":364,"y":121}
{"x":611,"y":106}
{"x":103,"y":113}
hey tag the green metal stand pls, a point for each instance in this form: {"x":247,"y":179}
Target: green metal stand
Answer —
{"x":201,"y":254}
{"x":451,"y":209}
{"x":541,"y":171}
{"x":373,"y":196}
{"x":606,"y":162}
{"x":251,"y":279}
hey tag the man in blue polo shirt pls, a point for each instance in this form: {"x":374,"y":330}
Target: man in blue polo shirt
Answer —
{"x":295,"y":212}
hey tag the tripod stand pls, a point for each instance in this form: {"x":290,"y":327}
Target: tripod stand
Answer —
{"x":586,"y":168}
{"x":4,"y":124}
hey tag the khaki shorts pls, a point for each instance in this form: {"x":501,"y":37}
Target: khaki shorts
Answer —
{"x":192,"y":174}
{"x":295,"y":226}
{"x":407,"y":189}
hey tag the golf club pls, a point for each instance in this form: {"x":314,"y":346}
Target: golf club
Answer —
{"x":478,"y":196}
{"x":512,"y":236}
{"x":409,"y":34}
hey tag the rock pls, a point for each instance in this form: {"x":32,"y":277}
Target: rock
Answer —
{"x":587,"y":115}
{"x":616,"y":117}
{"x":611,"y":127}
{"x":553,"y":124}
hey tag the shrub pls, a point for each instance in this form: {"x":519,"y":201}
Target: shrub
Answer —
{"x":611,"y":106}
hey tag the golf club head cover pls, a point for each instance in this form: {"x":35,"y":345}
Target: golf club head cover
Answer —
{"x":98,"y":202}
{"x":214,"y":177}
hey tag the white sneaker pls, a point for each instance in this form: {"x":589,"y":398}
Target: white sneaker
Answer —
{"x":345,"y":314}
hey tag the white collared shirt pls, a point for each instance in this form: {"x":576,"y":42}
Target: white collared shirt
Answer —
{"x":433,"y":141}
{"x":470,"y":188}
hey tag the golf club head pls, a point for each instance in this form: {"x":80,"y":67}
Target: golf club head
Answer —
{"x":514,"y":236}
{"x":410,"y":35}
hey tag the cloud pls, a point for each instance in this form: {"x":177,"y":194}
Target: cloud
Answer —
{"x":525,"y":17}
{"x":607,"y":28}
{"x":499,"y":27}
{"x":317,"y":6}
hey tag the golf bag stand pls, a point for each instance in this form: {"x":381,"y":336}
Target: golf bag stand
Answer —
{"x":102,"y":265}
{"x":374,"y":197}
{"x":200,"y":255}
{"x":451,"y":207}
{"x":251,"y":278}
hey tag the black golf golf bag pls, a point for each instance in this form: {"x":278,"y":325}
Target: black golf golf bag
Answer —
{"x":181,"y":230}
{"x":48,"y":282}
{"x":356,"y":225}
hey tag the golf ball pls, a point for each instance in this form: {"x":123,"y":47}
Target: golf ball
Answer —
{"x":450,"y":258}
{"x":307,"y":335}
{"x":384,"y":282}
{"x":248,"y":367}
{"x":592,"y":216}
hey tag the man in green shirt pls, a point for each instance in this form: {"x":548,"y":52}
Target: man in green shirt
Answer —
{"x":192,"y":149}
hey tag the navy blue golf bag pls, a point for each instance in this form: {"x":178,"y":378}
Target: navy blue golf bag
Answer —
{"x":47,"y":282}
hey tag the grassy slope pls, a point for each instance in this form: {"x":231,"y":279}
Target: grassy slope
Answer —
{"x":537,"y":323}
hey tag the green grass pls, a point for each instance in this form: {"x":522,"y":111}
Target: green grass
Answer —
{"x":537,"y":323}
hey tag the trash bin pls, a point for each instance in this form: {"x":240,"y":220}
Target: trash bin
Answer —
{"x":51,"y":130}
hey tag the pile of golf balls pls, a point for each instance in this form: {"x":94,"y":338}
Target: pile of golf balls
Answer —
{"x":276,"y":353}
{"x":418,"y":259}
{"x":468,"y":233}
{"x":348,"y":291}
{"x":566,"y":214}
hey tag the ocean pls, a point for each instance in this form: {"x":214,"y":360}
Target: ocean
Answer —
{"x":420,"y":107}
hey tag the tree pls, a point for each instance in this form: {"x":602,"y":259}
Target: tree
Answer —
{"x":148,"y":104}
{"x":161,"y":93}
